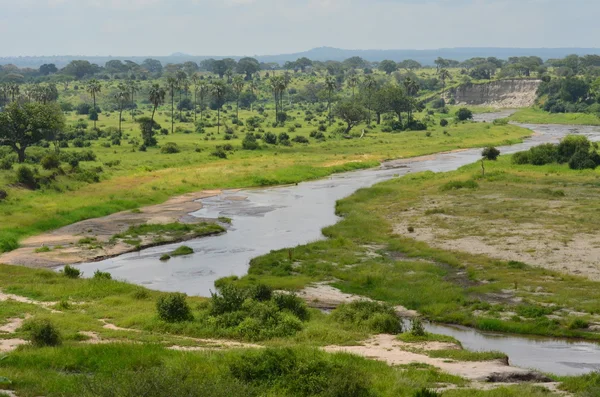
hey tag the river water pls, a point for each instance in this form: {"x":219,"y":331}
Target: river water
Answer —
{"x":287,"y":216}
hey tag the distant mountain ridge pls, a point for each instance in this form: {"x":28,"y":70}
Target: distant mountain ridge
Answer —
{"x":425,"y":57}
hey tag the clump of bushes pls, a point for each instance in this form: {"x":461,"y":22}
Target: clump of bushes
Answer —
{"x":173,"y":308}
{"x":98,"y":275}
{"x":576,"y":150}
{"x":300,"y":139}
{"x":169,"y":148}
{"x":249,"y":142}
{"x":456,"y":185}
{"x":71,"y":272}
{"x":42,"y":333}
{"x":26,"y":177}
{"x":443,"y":123}
{"x":255,"y":313}
{"x":464,"y":114}
{"x":373,"y":316}
{"x":3,"y":194}
{"x":50,"y":161}
{"x":301,"y":373}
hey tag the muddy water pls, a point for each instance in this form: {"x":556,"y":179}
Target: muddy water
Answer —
{"x":279,"y":217}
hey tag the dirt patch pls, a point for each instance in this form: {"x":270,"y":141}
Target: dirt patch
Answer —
{"x":324,"y":296}
{"x":523,"y":242}
{"x":387,"y":349}
{"x":63,"y":242}
{"x":22,"y":299}
{"x":8,"y":345}
{"x":13,"y":324}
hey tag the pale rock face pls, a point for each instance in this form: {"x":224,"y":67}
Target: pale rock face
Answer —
{"x":500,"y":94}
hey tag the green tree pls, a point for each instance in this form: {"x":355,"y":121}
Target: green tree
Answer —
{"x":23,"y":125}
{"x":444,"y":74}
{"x":353,"y":80}
{"x":172,"y":83}
{"x":94,"y":88}
{"x":219,"y":92}
{"x":121,"y":98}
{"x":248,"y":66}
{"x":352,"y":113}
{"x":181,"y":77}
{"x":369,"y":84}
{"x":238,"y":86}
{"x":156,"y":96}
{"x":330,"y":86}
{"x":148,"y":127}
{"x":133,"y":87}
{"x":388,"y":66}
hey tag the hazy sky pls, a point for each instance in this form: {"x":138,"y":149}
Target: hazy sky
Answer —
{"x":258,"y":27}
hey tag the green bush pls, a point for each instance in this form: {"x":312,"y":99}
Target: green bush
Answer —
{"x":309,"y":374}
{"x":270,"y":138}
{"x":183,"y":250}
{"x":443,"y":123}
{"x":249,"y":142}
{"x":41,"y":333}
{"x":456,"y":185}
{"x":293,"y":304}
{"x":3,"y":194}
{"x":71,"y":272}
{"x":417,"y":328}
{"x":173,"y":308}
{"x":374,"y":316}
{"x":98,"y":275}
{"x":427,"y":393}
{"x":582,"y":160}
{"x":464,"y":114}
{"x":26,"y":177}
{"x":169,"y":148}
{"x":50,"y":162}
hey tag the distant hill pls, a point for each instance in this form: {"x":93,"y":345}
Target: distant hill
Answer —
{"x":425,"y":57}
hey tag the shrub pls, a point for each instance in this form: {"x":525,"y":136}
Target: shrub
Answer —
{"x":578,"y":323}
{"x":283,"y":137}
{"x":42,"y":332}
{"x":71,"y":272}
{"x":3,"y":194}
{"x":6,"y":163}
{"x":173,"y":308}
{"x":464,"y":114}
{"x":438,"y":103}
{"x":249,"y":142}
{"x":98,"y":275}
{"x":169,"y":148}
{"x":293,"y":304}
{"x":456,"y":185}
{"x":521,"y":158}
{"x":543,"y":154}
{"x":300,"y":139}
{"x":141,"y":293}
{"x":443,"y":123}
{"x":219,"y":153}
{"x":374,"y":316}
{"x":427,"y":393}
{"x":50,"y":162}
{"x":26,"y":178}
{"x":570,"y":145}
{"x":417,"y":328}
{"x":582,"y":160}
{"x":270,"y":138}
{"x":501,"y":122}
{"x":490,"y":153}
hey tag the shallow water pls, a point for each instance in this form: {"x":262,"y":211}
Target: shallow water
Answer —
{"x":279,"y":217}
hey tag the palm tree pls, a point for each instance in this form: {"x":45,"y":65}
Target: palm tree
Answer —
{"x":181,"y":84}
{"x":14,"y":90}
{"x":172,"y":82}
{"x":369,"y":84}
{"x":253,"y":88}
{"x":196,"y":83}
{"x":238,"y":86}
{"x":121,"y":97}
{"x":203,"y":92}
{"x":133,"y":87}
{"x":330,"y":85}
{"x":218,"y":91}
{"x":444,"y":74}
{"x":411,"y":86}
{"x":93,"y":88}
{"x":352,"y":82}
{"x":156,"y":96}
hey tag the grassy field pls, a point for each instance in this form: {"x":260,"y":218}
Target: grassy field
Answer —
{"x":130,"y":179}
{"x":366,"y":254}
{"x":140,"y":363}
{"x":537,"y":116}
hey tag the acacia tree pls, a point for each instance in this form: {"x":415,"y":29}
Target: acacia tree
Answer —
{"x":219,"y":91}
{"x":156,"y":96}
{"x":93,"y":88}
{"x":23,"y":125}
{"x":352,"y":113}
{"x":489,"y":153}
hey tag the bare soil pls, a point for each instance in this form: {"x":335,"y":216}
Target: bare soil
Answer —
{"x":64,"y":246}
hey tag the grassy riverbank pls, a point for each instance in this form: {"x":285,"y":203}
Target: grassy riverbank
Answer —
{"x":114,"y":342}
{"x":131,"y":179}
{"x":538,"y":116}
{"x":371,"y":252}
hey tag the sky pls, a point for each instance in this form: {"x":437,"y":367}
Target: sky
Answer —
{"x":267,"y":27}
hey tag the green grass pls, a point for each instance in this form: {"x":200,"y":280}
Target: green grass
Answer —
{"x":172,"y":230}
{"x":183,"y":250}
{"x":450,"y":286}
{"x":538,"y":116}
{"x":133,"y":179}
